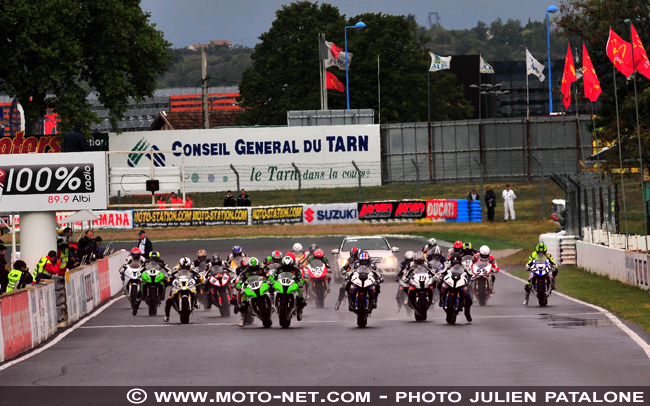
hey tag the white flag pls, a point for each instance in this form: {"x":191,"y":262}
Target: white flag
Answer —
{"x":333,"y":55}
{"x":533,"y":67}
{"x":439,"y":62}
{"x":485,"y":67}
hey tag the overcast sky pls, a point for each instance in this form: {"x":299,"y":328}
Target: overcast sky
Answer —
{"x":186,"y":22}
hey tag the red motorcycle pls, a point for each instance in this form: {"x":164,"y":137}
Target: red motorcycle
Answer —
{"x":218,"y":290}
{"x":316,"y":271}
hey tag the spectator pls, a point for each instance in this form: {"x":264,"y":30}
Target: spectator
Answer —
{"x":473,"y":196}
{"x":175,"y":200}
{"x":3,"y":269}
{"x":189,"y":203}
{"x":46,"y":267}
{"x":83,"y":244}
{"x":145,"y":244}
{"x":75,"y":141}
{"x":490,"y":202}
{"x":243,"y":200}
{"x":19,"y":277}
{"x":229,"y":200}
{"x":94,"y":251}
{"x":162,"y":203}
{"x":508,"y":202}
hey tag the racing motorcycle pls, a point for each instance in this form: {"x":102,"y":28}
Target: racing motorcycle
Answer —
{"x":541,"y":284}
{"x":132,"y":285}
{"x":153,"y":286}
{"x":286,"y":296}
{"x":256,"y":293}
{"x":482,"y":281}
{"x":453,"y":297}
{"x":467,"y":262}
{"x":184,"y":294}
{"x":201,"y":288}
{"x":402,"y":296}
{"x":317,"y":272}
{"x":421,"y":286}
{"x":362,"y":294}
{"x":218,"y":290}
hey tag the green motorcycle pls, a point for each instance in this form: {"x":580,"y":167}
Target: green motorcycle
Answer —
{"x":256,"y":294}
{"x":286,"y":295}
{"x":153,"y":286}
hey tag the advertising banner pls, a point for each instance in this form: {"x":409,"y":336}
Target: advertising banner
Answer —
{"x":21,"y":144}
{"x":52,"y":182}
{"x":276,"y":215}
{"x":442,"y":209}
{"x":190,"y":217}
{"x":264,"y":158}
{"x":336,"y":213}
{"x":405,"y":209}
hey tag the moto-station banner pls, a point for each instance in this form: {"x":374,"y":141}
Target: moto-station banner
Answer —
{"x":391,"y":210}
{"x":276,"y":215}
{"x":442,"y":209}
{"x":189,"y":217}
{"x":335,"y":213}
{"x":52,"y":182}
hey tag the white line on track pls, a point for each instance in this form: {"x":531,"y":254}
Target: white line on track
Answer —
{"x":60,"y":336}
{"x":634,"y":336}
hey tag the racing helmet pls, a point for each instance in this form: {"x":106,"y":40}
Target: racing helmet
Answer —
{"x":432,"y":242}
{"x":276,"y":256}
{"x":458,"y":245}
{"x":313,"y":248}
{"x":364,"y":258}
{"x":455,"y":259}
{"x":185,"y":263}
{"x":216,"y":260}
{"x":253,"y":262}
{"x":418,"y":258}
{"x":291,"y":255}
{"x":297,"y":248}
{"x":467,"y":246}
{"x":154,"y":255}
{"x":541,"y":248}
{"x":484,"y":252}
{"x":287,"y":261}
{"x":408,"y":256}
{"x":202,"y":255}
{"x":135,"y":252}
{"x":437,"y":252}
{"x":318,"y":253}
{"x":236,"y":251}
{"x":354,"y":254}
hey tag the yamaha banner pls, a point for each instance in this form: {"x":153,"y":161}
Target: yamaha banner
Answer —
{"x":405,"y":209}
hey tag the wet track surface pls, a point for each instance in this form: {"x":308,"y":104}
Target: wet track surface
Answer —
{"x":565,"y":343}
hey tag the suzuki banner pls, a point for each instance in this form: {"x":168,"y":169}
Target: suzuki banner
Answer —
{"x":335,"y":213}
{"x":258,"y":158}
{"x":52,"y":182}
{"x":405,"y":209}
{"x":442,"y":209}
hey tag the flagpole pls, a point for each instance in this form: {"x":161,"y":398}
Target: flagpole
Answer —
{"x":527,"y":97}
{"x":620,"y":153}
{"x":480,"y":116}
{"x":428,"y":97}
{"x":378,"y":89}
{"x":638,"y":136}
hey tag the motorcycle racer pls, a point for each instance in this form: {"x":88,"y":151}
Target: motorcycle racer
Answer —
{"x":253,"y":268}
{"x":484,"y":255}
{"x":364,"y":260}
{"x":454,"y":260}
{"x":185,"y":264}
{"x":135,"y":258}
{"x":287,"y":265}
{"x":540,"y":251}
{"x":345,"y":270}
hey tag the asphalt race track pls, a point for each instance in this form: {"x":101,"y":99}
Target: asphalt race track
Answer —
{"x":566,"y":343}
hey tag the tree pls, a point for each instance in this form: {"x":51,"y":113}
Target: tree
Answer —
{"x":589,"y":21}
{"x":285,"y":72}
{"x":55,"y":51}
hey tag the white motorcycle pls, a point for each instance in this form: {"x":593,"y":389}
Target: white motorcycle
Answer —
{"x":420,"y":295}
{"x":362,"y":294}
{"x":541,"y":283}
{"x":133,"y":285}
{"x":482,"y":281}
{"x":455,"y":291}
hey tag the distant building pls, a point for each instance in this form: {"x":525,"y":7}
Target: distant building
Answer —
{"x":216,"y":42}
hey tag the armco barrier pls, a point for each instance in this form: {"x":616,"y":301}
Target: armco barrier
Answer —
{"x":27,"y":318}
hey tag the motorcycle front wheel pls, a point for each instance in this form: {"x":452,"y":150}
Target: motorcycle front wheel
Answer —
{"x":185,"y":310}
{"x":423,"y":305}
{"x":362,"y":312}
{"x":224,"y":307}
{"x":133,"y":297}
{"x":283,"y":312}
{"x":541,"y":292}
{"x":482,"y":288}
{"x":319,"y":292}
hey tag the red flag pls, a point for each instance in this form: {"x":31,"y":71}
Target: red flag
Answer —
{"x":568,"y":77}
{"x":334,"y":83}
{"x":641,"y":62}
{"x":591,"y":82}
{"x":620,"y":53}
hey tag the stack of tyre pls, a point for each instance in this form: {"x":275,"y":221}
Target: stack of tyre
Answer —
{"x":463,"y":211}
{"x":475,"y":211}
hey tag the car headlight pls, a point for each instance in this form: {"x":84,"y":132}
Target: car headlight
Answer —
{"x":389,"y":260}
{"x":344,"y":261}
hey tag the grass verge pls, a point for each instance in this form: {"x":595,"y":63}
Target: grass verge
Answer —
{"x":628,"y":302}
